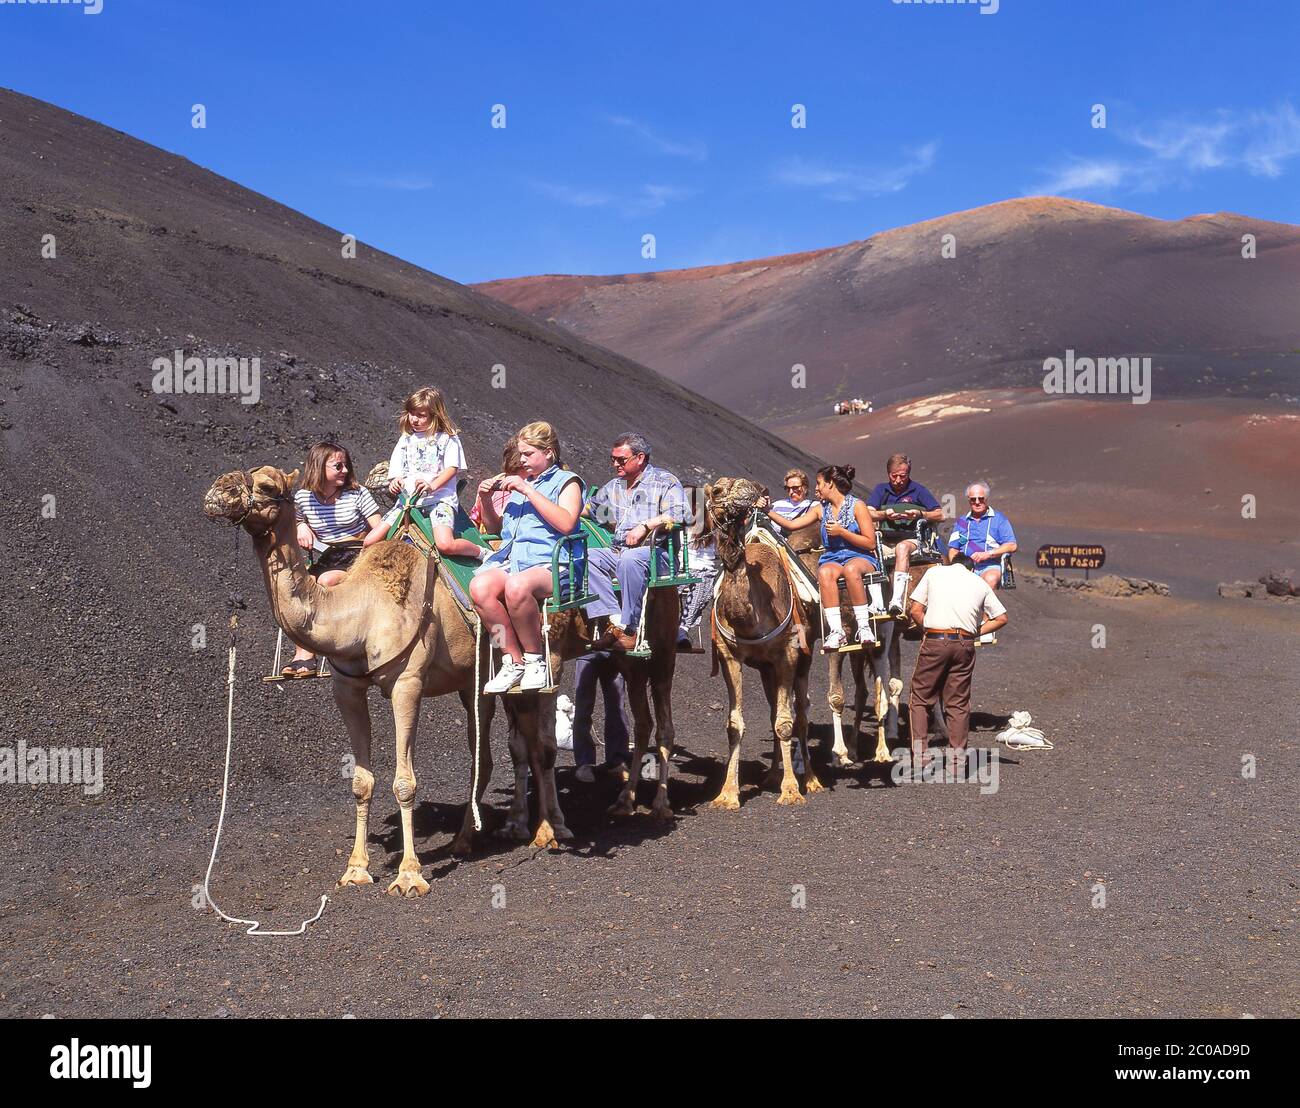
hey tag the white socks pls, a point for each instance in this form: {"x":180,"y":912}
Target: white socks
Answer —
{"x":833,"y":620}
{"x":901,"y":580}
{"x":877,"y":594}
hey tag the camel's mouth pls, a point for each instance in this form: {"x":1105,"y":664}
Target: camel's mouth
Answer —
{"x":225,"y":499}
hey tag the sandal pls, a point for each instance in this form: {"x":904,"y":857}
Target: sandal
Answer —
{"x":298,"y":669}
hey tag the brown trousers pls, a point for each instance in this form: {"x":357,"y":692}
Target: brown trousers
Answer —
{"x":947,"y":666}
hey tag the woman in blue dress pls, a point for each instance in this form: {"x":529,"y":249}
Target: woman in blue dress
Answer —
{"x":849,"y":542}
{"x":544,"y":506}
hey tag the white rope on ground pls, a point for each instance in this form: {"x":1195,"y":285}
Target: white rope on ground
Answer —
{"x":254,"y":925}
{"x":1020,"y":736}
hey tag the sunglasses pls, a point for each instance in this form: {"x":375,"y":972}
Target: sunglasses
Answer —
{"x":978,"y":499}
{"x":620,"y":462}
{"x":793,"y":488}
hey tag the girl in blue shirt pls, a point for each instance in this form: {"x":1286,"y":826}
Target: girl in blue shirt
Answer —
{"x":544,"y":505}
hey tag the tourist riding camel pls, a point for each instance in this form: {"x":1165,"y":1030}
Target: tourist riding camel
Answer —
{"x":544,"y":506}
{"x":849,"y":541}
{"x":641,"y":498}
{"x":333,"y":513}
{"x":898,"y":505}
{"x":983,"y":535}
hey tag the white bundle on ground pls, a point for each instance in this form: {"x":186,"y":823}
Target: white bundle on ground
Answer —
{"x":564,"y":708}
{"x":1020,"y":736}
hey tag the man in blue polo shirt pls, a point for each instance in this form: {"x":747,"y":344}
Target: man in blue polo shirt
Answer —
{"x":897,"y":505}
{"x":983,"y":535}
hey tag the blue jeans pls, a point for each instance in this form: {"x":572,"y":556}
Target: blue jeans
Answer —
{"x":590,"y":670}
{"x":630,"y":567}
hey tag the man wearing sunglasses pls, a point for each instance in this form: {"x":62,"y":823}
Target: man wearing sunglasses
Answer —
{"x":983,"y":535}
{"x":795,"y":502}
{"x":640,"y":498}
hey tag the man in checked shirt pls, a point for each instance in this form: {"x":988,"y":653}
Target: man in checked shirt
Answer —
{"x":641,"y":497}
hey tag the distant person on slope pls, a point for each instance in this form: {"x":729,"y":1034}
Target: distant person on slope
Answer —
{"x":426,"y":463}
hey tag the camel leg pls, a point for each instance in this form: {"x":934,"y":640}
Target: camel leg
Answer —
{"x":516,"y":825}
{"x":406,"y":715}
{"x":665,"y":735}
{"x":859,"y":663}
{"x":729,"y":796}
{"x":350,"y":696}
{"x":835,"y":698}
{"x":552,"y":829}
{"x":803,"y":664}
{"x":773,"y":777}
{"x":634,"y":677}
{"x":783,"y":730}
{"x":463,"y":843}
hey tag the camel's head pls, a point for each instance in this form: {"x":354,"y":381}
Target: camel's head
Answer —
{"x":729,"y":501}
{"x":251,"y":498}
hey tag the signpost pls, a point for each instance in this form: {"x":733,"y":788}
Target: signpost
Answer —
{"x":1072,"y":556}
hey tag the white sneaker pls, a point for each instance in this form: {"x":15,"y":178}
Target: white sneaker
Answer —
{"x":833,"y":641}
{"x":586,"y":775}
{"x":536,"y":676}
{"x":867,"y":636}
{"x":506,"y":677}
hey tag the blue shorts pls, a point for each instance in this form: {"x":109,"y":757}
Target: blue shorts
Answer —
{"x":843,"y":557}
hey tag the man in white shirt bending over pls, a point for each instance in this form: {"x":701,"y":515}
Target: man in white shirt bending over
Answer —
{"x":954,"y":605}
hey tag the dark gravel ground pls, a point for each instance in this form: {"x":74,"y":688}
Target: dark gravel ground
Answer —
{"x":921,"y":900}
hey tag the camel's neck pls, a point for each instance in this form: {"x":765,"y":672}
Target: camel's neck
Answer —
{"x":301,"y":606}
{"x":745,"y":599}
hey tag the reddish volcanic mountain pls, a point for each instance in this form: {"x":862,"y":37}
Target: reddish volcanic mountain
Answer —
{"x":890,"y":317}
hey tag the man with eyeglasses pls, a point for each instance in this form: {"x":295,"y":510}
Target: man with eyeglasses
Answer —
{"x":795,"y":502}
{"x":640,"y":498}
{"x":983,"y":535}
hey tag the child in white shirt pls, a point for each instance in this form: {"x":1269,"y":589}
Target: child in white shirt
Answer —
{"x":426,"y":464}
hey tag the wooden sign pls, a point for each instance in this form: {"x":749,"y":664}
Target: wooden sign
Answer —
{"x":1072,"y":556}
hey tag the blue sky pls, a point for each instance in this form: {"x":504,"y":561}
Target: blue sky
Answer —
{"x":673,"y":119}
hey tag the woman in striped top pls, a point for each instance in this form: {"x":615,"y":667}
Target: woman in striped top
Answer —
{"x":334,"y":514}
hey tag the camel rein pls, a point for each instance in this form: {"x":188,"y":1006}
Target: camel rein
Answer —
{"x":254,"y":926}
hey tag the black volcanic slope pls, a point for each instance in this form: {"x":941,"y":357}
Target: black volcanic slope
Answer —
{"x":154,"y":254}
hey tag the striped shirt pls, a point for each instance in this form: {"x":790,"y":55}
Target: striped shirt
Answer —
{"x":345,"y":518}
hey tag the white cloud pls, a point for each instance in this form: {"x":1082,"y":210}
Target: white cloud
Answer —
{"x":848,"y":183}
{"x":400,"y":182}
{"x":645,"y":200}
{"x":1259,"y":142}
{"x":694,"y":150}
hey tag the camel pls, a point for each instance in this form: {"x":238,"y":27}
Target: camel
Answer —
{"x":759,"y":621}
{"x":385,"y":625}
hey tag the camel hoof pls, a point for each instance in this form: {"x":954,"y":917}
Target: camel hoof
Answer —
{"x":883,"y":757}
{"x":545,"y":838}
{"x":662,"y":812}
{"x":726,"y":802}
{"x":622,"y":807}
{"x":462,"y":846}
{"x":563,"y":833}
{"x":813,"y":785}
{"x":843,"y":761}
{"x":355,"y":875}
{"x":513,"y":829}
{"x":790,"y":796}
{"x":408,"y":883}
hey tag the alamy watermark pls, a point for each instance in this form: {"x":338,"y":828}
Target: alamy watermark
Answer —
{"x":53,"y":765}
{"x":88,"y":7}
{"x":216,"y":376}
{"x":1098,"y":377}
{"x":986,"y":7}
{"x":945,"y":767}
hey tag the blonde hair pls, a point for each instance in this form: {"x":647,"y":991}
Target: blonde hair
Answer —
{"x":542,"y":436}
{"x":428,"y":400}
{"x":803,"y":477}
